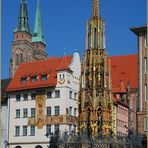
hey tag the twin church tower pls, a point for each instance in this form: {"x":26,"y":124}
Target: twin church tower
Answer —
{"x":25,"y":46}
{"x":95,"y":90}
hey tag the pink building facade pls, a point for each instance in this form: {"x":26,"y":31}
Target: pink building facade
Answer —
{"x":121,"y":114}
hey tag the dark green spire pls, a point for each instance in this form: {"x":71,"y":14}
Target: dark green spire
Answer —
{"x":23,"y":24}
{"x":38,"y":34}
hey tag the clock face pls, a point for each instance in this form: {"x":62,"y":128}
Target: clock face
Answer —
{"x":61,"y":81}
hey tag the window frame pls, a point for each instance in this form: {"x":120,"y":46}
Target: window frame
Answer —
{"x":43,"y":77}
{"x":56,"y":126}
{"x":25,"y":130}
{"x":57,"y":110}
{"x":145,"y":123}
{"x":146,"y":92}
{"x":33,"y":79}
{"x":25,"y":97}
{"x":17,"y":113}
{"x":18,"y":98}
{"x":32,"y":130}
{"x":48,"y":110}
{"x":32,"y":112}
{"x":70,"y":94}
{"x":48,"y":129}
{"x":17,"y":131}
{"x":49,"y":94}
{"x":33,"y":96}
{"x":57,"y":93}
{"x":25,"y":114}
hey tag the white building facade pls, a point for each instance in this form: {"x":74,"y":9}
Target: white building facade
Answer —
{"x":43,"y":96}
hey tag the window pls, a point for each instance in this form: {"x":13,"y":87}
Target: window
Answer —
{"x":17,"y":113}
{"x":44,"y":77}
{"x":23,"y":80}
{"x":48,"y":129}
{"x":48,"y":111}
{"x":24,"y":130}
{"x":75,"y":112}
{"x":32,"y":112}
{"x":70,"y":94}
{"x":75,"y":96}
{"x":57,"y":110}
{"x":60,"y":76}
{"x":25,"y":97}
{"x":18,"y":97}
{"x":70,"y":110}
{"x":145,"y":65}
{"x":17,"y":59}
{"x":25,"y":112}
{"x":32,"y":130}
{"x":34,"y":78}
{"x":63,"y":76}
{"x":145,"y":39}
{"x":146,"y":92}
{"x":17,"y":130}
{"x":49,"y":94}
{"x":145,"y":123}
{"x":57,"y":94}
{"x":67,"y":111}
{"x":70,"y":128}
{"x":56,"y":126}
{"x":33,"y":95}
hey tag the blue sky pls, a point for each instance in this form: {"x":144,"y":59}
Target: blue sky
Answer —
{"x":63,"y":24}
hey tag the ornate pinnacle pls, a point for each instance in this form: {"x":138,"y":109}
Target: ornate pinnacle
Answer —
{"x":95,"y":8}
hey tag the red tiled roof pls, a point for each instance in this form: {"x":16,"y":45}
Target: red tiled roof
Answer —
{"x":38,"y":68}
{"x":125,"y":69}
{"x":64,"y":64}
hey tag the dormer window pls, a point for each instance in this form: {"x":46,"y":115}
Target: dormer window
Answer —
{"x":44,"y":77}
{"x":34,"y":78}
{"x":23,"y":80}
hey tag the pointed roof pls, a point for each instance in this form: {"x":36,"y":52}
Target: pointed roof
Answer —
{"x":124,"y":68}
{"x":23,"y":24}
{"x":95,"y":9}
{"x":122,"y":87}
{"x":64,"y":64}
{"x":38,"y":33}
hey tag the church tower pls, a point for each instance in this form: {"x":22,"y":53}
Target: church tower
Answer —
{"x":95,"y":95}
{"x":38,"y":38}
{"x":22,"y":45}
{"x":23,"y":50}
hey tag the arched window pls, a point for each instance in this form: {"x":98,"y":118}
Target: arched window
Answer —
{"x":38,"y":146}
{"x":17,"y":59}
{"x":18,"y":147}
{"x":20,"y":58}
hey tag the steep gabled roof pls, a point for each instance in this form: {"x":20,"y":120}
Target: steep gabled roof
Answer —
{"x":124,"y":69}
{"x":28,"y":70}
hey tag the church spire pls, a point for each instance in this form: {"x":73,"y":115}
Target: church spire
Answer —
{"x":23,"y":24}
{"x":38,"y":33}
{"x":95,"y":8}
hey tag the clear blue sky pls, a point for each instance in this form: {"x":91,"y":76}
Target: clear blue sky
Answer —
{"x":64,"y":25}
